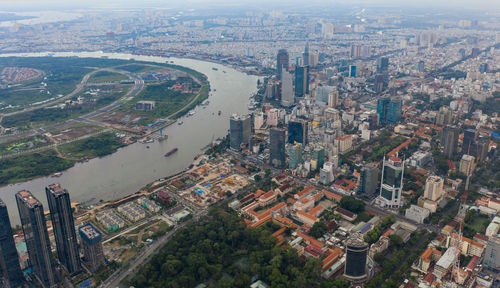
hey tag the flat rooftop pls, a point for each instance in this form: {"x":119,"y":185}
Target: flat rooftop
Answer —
{"x":90,"y":232}
{"x":28,"y":198}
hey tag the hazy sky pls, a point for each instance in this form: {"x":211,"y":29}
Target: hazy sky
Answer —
{"x":20,"y":4}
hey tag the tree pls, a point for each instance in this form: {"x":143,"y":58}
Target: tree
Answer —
{"x":396,"y":240}
{"x":352,"y":204}
{"x":318,"y":229}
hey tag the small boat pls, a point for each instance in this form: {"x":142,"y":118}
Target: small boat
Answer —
{"x":171,"y":152}
{"x":191,"y":113}
{"x":215,"y":69}
{"x":220,"y":112}
{"x":180,"y":123}
{"x":57,"y":174}
{"x":147,"y":147}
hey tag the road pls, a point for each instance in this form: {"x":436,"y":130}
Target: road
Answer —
{"x":127,"y":270}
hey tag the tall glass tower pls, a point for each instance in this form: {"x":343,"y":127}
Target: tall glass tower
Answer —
{"x":9,"y":260}
{"x":36,"y":238}
{"x":64,"y":228}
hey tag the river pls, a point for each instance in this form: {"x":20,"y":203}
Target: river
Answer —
{"x":132,"y":167}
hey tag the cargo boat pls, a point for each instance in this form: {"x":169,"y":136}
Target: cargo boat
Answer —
{"x":171,"y":152}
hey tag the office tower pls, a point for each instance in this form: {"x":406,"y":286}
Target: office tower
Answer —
{"x":368,"y":180}
{"x":355,"y":51}
{"x":258,"y":120}
{"x":382,"y":65}
{"x":475,"y":52}
{"x":9,"y":260}
{"x":467,"y":164}
{"x":433,"y":188}
{"x":333,"y":98}
{"x":389,"y":110}
{"x":352,"y":71}
{"x":287,"y":95}
{"x":492,"y":253}
{"x":326,"y":173}
{"x":294,"y":155}
{"x":297,"y":131}
{"x":36,"y":238}
{"x":239,"y":131}
{"x":449,"y":140}
{"x":318,"y":156}
{"x":391,"y":183}
{"x":468,"y":141}
{"x":277,"y":138}
{"x":421,"y":66}
{"x":64,"y":228}
{"x":301,"y":81}
{"x":481,"y":148}
{"x":282,"y":62}
{"x":379,"y":83}
{"x":356,"y":257}
{"x":306,"y":57}
{"x":484,"y":68}
{"x":322,"y":93}
{"x":445,"y":116}
{"x":91,"y":241}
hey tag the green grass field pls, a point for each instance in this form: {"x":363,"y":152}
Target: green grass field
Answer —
{"x":96,"y":146}
{"x":106,"y":76}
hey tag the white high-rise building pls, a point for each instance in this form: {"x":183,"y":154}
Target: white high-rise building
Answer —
{"x":391,"y":184}
{"x":433,"y":188}
{"x":287,"y":94}
{"x":258,"y":120}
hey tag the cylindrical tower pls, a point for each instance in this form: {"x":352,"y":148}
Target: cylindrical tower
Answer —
{"x":356,"y":255}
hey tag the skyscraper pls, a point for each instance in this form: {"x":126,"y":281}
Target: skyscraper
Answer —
{"x":240,"y":128}
{"x":391,"y":183}
{"x":467,"y":164}
{"x":282,"y":62}
{"x":36,"y":238}
{"x":352,"y":71}
{"x":294,"y":155}
{"x":368,"y":180}
{"x":277,"y":139}
{"x":433,"y":188}
{"x":297,"y":131}
{"x":389,"y":110}
{"x":468,"y":141}
{"x":382,"y":65}
{"x":287,"y":94}
{"x":64,"y":228}
{"x":450,"y":140}
{"x":356,"y":256}
{"x":301,"y":81}
{"x":93,"y":254}
{"x":306,"y":56}
{"x":9,"y":260}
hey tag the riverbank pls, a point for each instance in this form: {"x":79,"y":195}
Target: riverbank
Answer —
{"x":40,"y":164}
{"x":132,"y":167}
